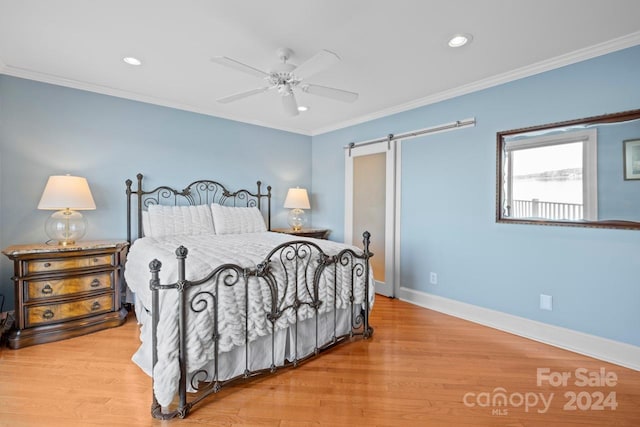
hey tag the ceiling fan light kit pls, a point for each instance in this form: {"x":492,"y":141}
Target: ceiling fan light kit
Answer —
{"x":285,"y":78}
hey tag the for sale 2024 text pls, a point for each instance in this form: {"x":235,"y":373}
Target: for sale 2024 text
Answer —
{"x":584,"y":400}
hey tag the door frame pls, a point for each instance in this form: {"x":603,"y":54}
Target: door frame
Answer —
{"x":391,"y":148}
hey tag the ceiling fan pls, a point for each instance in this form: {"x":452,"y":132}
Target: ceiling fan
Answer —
{"x":285,"y":78}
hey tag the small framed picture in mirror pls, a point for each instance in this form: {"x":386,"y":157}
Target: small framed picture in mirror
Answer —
{"x":631,"y":152}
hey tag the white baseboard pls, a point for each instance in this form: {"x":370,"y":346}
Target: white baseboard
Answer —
{"x":611,"y":351}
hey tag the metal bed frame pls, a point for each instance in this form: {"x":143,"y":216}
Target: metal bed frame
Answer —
{"x":303,"y":263}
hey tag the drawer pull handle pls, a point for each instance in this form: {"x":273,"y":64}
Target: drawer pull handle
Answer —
{"x":95,"y":283}
{"x":96,"y":260}
{"x":47,"y":264}
{"x":95,"y":306}
{"x":47,"y":289}
{"x":48,"y":314}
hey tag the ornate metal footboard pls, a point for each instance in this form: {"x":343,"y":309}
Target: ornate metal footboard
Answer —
{"x":298,"y":283}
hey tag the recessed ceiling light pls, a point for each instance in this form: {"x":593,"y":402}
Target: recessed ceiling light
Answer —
{"x":131,"y":60}
{"x":459,"y":40}
{"x":303,"y":108}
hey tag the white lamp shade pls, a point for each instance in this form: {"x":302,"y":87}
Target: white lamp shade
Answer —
{"x":297,"y":198}
{"x":66,"y":192}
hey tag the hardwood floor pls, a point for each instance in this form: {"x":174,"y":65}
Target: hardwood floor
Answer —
{"x":420,"y":368}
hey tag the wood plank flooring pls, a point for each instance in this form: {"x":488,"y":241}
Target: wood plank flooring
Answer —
{"x":421,"y":368}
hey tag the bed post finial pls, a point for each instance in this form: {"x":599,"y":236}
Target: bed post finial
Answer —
{"x":182,"y":252}
{"x":365,"y":243}
{"x":155,"y":266}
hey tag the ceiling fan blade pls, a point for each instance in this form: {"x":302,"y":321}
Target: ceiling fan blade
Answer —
{"x":316,"y":63}
{"x":330,"y":92}
{"x":232,"y":63}
{"x":290,"y":105}
{"x":241,"y":95}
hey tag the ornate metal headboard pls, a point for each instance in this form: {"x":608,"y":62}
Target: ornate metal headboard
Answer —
{"x":197,"y":193}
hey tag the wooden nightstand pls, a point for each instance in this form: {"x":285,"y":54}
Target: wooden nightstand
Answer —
{"x":316,"y":233}
{"x":65,"y":291}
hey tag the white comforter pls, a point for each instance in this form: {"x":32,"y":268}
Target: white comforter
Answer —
{"x":207,"y":252}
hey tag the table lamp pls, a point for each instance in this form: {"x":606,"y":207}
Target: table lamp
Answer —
{"x":297,"y":200}
{"x":66,"y":195}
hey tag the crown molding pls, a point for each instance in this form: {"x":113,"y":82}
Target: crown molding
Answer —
{"x":579,"y":55}
{"x":131,"y":95}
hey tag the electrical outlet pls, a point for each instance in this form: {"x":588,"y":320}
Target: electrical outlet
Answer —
{"x":546,"y":302}
{"x":433,"y":278}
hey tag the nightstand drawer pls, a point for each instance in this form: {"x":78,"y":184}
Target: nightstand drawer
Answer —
{"x":48,"y":288}
{"x":41,"y":266}
{"x":52,"y":313}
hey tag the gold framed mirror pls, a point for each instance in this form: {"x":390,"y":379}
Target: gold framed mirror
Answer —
{"x":583,"y":172}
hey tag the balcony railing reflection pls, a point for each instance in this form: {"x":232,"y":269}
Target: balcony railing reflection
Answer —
{"x":547,"y":210}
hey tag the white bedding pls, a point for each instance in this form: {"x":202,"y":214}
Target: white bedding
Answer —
{"x":206,"y":252}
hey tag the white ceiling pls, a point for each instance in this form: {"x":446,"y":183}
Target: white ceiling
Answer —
{"x":394,"y":52}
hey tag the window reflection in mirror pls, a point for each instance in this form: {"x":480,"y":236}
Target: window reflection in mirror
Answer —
{"x":551,"y":177}
{"x":569,"y":173}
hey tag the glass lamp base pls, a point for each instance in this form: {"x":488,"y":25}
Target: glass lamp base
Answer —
{"x":66,"y":227}
{"x":297,"y":219}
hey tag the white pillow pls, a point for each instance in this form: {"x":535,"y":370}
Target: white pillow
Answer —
{"x":237,"y":220}
{"x":178,"y":220}
{"x":145,"y":223}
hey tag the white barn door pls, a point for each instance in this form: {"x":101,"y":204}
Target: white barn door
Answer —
{"x":370,"y":204}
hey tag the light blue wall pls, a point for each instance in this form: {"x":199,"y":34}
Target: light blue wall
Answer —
{"x":448,"y":204}
{"x":47,"y":130}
